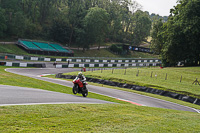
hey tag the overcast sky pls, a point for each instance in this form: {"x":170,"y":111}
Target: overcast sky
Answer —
{"x":161,"y":7}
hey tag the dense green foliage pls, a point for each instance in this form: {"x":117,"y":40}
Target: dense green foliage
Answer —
{"x":142,"y":27}
{"x":157,"y":38}
{"x":155,"y":17}
{"x":178,"y":39}
{"x":81,"y":22}
{"x":116,"y":49}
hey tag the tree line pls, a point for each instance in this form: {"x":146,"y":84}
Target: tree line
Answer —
{"x":75,"y":22}
{"x":178,"y":40}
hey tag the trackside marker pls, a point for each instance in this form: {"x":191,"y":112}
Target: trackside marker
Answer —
{"x":130,"y":102}
{"x":44,"y":75}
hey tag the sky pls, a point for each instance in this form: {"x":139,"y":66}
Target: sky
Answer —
{"x":161,"y":7}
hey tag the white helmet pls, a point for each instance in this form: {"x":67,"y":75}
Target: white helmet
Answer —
{"x":80,"y":73}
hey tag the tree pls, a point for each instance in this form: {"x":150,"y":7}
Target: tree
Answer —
{"x":181,"y":34}
{"x":110,"y":20}
{"x":142,"y":27}
{"x":18,"y":24}
{"x":60,"y":31}
{"x":157,"y":37}
{"x":96,"y":27}
{"x":115,"y":29}
{"x":76,"y":14}
{"x":2,"y":22}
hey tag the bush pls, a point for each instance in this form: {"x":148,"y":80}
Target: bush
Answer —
{"x":116,"y":49}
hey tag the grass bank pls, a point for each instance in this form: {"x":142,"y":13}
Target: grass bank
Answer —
{"x":11,"y":49}
{"x":178,"y":80}
{"x":96,"y":118}
{"x":106,"y":53}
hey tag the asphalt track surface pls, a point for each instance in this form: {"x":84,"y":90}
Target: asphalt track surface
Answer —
{"x":133,"y":98}
{"x":12,"y":95}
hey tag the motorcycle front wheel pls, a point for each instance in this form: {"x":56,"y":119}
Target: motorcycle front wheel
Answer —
{"x":75,"y":89}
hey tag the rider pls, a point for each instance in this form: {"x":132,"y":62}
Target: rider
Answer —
{"x":82,"y":78}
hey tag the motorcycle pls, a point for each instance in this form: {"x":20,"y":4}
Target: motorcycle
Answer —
{"x":79,"y":87}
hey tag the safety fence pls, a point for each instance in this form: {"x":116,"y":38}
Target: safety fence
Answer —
{"x":107,"y":65}
{"x":79,"y":60}
{"x":18,"y":64}
{"x":43,"y":65}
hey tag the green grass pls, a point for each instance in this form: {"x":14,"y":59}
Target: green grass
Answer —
{"x":7,"y":78}
{"x":11,"y":49}
{"x":106,"y":53}
{"x":14,"y":49}
{"x":123,"y":117}
{"x":96,"y":118}
{"x":170,"y":83}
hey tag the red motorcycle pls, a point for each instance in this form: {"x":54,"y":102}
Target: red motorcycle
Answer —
{"x":80,"y":87}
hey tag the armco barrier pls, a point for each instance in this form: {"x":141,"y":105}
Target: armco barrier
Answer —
{"x":107,"y":65}
{"x":14,"y":64}
{"x":138,"y":88}
{"x":86,"y":60}
{"x":43,"y":65}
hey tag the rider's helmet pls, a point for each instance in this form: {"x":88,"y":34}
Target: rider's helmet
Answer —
{"x":80,"y":74}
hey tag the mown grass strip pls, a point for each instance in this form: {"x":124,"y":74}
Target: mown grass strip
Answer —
{"x":96,"y":118}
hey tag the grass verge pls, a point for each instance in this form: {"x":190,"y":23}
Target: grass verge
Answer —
{"x":96,"y":118}
{"x":11,"y":49}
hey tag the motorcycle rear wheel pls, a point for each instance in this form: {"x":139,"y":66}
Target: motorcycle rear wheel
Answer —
{"x":85,"y":93}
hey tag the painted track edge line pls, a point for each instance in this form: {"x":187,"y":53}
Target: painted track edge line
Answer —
{"x":119,"y":99}
{"x":130,"y":102}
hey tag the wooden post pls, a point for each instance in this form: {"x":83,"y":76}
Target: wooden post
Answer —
{"x":112,"y":70}
{"x":166,"y":77}
{"x":125,"y":71}
{"x":137,"y":73}
{"x":151,"y":74}
{"x":181,"y":78}
{"x":101,"y":70}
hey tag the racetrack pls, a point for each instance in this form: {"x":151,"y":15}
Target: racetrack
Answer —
{"x":12,"y":95}
{"x":118,"y":94}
